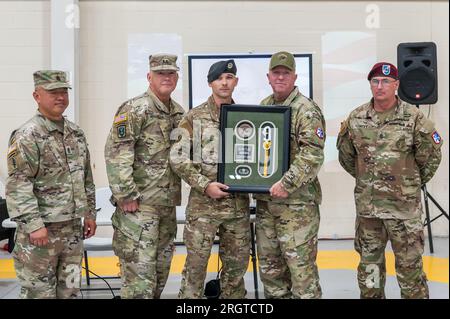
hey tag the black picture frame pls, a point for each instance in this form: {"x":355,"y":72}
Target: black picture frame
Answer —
{"x":254,"y":147}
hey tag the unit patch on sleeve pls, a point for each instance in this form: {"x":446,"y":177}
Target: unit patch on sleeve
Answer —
{"x":436,"y":137}
{"x":121,"y":131}
{"x":319,"y":132}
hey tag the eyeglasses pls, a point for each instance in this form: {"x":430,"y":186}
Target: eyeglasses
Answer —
{"x":384,"y":82}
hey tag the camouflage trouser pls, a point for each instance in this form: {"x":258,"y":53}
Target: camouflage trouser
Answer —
{"x":54,"y":270}
{"x":407,"y":241}
{"x":286,"y":236}
{"x":145,"y":264}
{"x":234,"y":252}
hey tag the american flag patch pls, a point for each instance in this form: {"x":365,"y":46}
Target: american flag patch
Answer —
{"x":122,"y":117}
{"x":436,"y":137}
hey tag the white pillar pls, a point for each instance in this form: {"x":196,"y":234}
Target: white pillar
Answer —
{"x":65,"y":24}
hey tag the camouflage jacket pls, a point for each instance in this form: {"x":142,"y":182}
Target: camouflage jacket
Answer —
{"x":137,"y":152}
{"x":390,"y":160}
{"x":49,"y":174}
{"x":307,"y":140}
{"x":195,"y":159}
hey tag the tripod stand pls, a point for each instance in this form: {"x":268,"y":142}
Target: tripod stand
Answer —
{"x":428,"y":219}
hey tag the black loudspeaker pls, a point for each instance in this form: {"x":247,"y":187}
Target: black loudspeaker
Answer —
{"x":417,"y":72}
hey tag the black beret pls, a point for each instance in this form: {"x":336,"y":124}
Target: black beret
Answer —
{"x":221,"y":67}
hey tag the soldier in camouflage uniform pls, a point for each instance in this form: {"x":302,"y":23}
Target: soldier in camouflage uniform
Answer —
{"x":143,"y":186}
{"x":48,"y":190}
{"x":287,"y":221}
{"x":391,"y":150}
{"x":210,"y":207}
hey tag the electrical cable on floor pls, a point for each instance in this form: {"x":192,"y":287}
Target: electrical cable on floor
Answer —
{"x":110,"y":289}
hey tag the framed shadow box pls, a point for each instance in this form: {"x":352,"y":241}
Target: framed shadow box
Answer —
{"x":254,"y":151}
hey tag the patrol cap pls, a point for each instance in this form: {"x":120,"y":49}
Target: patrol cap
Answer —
{"x":51,"y":79}
{"x":163,"y":62}
{"x":228,"y":66}
{"x":282,"y":58}
{"x":383,"y":69}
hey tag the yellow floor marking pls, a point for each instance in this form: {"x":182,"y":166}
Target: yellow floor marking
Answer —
{"x":7,"y":269}
{"x":436,"y":268}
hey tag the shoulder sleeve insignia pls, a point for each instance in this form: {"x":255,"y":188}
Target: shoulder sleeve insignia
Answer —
{"x":343,"y":127}
{"x":319,"y":132}
{"x":436,"y":137}
{"x":121,"y":131}
{"x":12,"y":150}
{"x":12,"y":159}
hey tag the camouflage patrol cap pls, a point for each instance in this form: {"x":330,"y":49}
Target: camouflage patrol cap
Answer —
{"x":216,"y":70}
{"x":163,"y":62}
{"x":51,"y":79}
{"x":282,"y":58}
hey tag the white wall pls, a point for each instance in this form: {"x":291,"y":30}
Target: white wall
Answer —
{"x":227,"y":27}
{"x":24,"y":48}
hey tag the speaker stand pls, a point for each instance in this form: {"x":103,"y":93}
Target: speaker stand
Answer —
{"x":428,"y":219}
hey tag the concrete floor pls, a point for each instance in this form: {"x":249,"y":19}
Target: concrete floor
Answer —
{"x":336,"y":283}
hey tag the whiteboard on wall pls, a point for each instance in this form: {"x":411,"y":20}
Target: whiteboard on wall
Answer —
{"x":252,"y":69}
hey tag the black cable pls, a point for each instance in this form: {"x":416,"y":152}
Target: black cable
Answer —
{"x":110,"y":289}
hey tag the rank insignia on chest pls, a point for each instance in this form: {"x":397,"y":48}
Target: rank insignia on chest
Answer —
{"x":121,"y":131}
{"x":319,"y":132}
{"x":436,"y":137}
